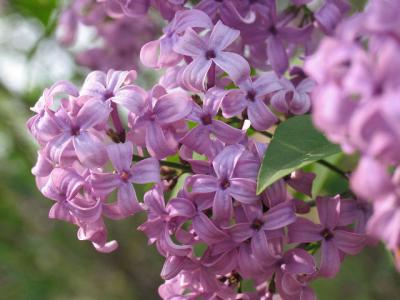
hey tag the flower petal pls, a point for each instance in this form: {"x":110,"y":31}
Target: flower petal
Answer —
{"x":222,"y":36}
{"x":172,"y":107}
{"x":120,"y":155}
{"x":330,"y":259}
{"x":243,"y":190}
{"x":234,"y":64}
{"x":146,"y":171}
{"x":127,"y":200}
{"x":304,"y":231}
{"x":261,"y":117}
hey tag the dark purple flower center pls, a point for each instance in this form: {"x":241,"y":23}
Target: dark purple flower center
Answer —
{"x":251,"y":96}
{"x":108,"y":95}
{"x":225,"y":183}
{"x":273,"y":30}
{"x":124,"y":176}
{"x":257,"y":224}
{"x":210,"y":54}
{"x":206,"y":119}
{"x":75,"y":130}
{"x":327,"y":234}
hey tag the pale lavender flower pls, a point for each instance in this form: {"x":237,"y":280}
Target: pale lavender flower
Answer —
{"x":335,"y":240}
{"x":209,"y":50}
{"x":126,"y":173}
{"x":251,"y":97}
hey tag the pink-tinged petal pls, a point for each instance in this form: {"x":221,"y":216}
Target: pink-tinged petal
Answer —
{"x":222,"y":206}
{"x":145,"y":171}
{"x":226,"y":133}
{"x":261,"y":117}
{"x":194,"y":75}
{"x":190,"y":44}
{"x":172,"y":107}
{"x":86,"y":210}
{"x":92,"y":113}
{"x":56,"y":148}
{"x":296,"y":35}
{"x":107,"y":247}
{"x":328,"y":211}
{"x":168,"y":58}
{"x":60,"y":212}
{"x":120,"y":155}
{"x":154,"y":201}
{"x":172,"y":266}
{"x":198,"y":139}
{"x":130,"y":98}
{"x":302,"y":181}
{"x":349,"y":242}
{"x":127,"y":200}
{"x":149,"y":54}
{"x":267,"y":83}
{"x":240,"y":232}
{"x":367,"y":186}
{"x":43,"y":165}
{"x":278,"y":101}
{"x":224,"y":163}
{"x":181,"y":207}
{"x":243,"y":190}
{"x":260,"y":249}
{"x":234,"y":103}
{"x":135,"y":8}
{"x":207,"y":231}
{"x":277,"y":55}
{"x":307,"y":293}
{"x":167,"y":245}
{"x":213,"y":98}
{"x":90,"y":150}
{"x":290,"y":285}
{"x":279,"y":216}
{"x":234,"y":64}
{"x":304,"y":231}
{"x":156,"y":142}
{"x":248,"y":264}
{"x":204,"y":183}
{"x":330,"y":259}
{"x":298,"y":261}
{"x":222,"y":36}
{"x":192,"y":18}
{"x":104,"y":183}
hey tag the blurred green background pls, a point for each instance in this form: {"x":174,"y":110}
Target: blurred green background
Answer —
{"x":41,"y":258}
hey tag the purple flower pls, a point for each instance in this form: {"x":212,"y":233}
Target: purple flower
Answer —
{"x":199,"y":138}
{"x":160,"y":225}
{"x":330,"y":14}
{"x":78,"y":135}
{"x":114,"y":86}
{"x":160,"y":53}
{"x":293,"y":99}
{"x":250,"y":97}
{"x":270,"y":34}
{"x":335,"y":240}
{"x":144,"y":171}
{"x":161,"y":111}
{"x":259,"y":227}
{"x":225,"y":185}
{"x":207,"y":51}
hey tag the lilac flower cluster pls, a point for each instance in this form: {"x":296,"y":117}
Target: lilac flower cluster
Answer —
{"x":355,"y":104}
{"x":116,"y":49}
{"x":227,"y":80}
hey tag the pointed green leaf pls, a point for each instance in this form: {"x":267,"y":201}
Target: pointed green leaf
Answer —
{"x":296,"y":143}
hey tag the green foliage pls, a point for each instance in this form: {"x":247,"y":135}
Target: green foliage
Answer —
{"x":296,"y":143}
{"x":41,"y":10}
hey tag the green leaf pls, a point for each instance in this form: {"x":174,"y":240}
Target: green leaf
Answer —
{"x":296,"y":143}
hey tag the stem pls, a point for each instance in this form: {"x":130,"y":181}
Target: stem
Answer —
{"x":116,"y":120}
{"x":185,"y":168}
{"x":333,"y":168}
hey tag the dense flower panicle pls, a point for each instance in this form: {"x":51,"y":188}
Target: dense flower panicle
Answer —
{"x":355,"y":104}
{"x":228,"y":75}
